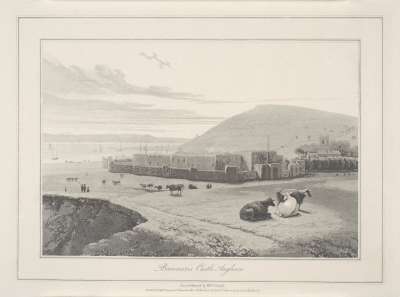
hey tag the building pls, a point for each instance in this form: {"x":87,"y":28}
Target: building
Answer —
{"x":261,"y":157}
{"x":223,"y":160}
{"x":229,"y":167}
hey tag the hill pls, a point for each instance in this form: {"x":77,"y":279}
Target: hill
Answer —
{"x":287,"y":127}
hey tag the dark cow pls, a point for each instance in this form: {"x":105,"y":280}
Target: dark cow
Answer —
{"x":159,"y":187}
{"x":116,"y":182}
{"x":257,"y":210}
{"x":71,"y":179}
{"x":300,"y":195}
{"x":175,"y":188}
{"x":192,"y":187}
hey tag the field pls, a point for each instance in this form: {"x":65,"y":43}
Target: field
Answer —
{"x":206,"y":221}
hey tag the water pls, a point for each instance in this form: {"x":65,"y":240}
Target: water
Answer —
{"x":64,"y":152}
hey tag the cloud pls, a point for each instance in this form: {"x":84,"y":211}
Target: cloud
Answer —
{"x":60,"y":79}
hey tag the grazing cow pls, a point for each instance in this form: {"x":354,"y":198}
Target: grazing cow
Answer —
{"x":175,"y":188}
{"x":256,"y":210}
{"x":116,"y":182}
{"x":159,"y":187}
{"x":192,"y":187}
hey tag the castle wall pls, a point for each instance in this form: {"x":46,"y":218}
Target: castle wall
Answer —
{"x":120,"y":166}
{"x":223,"y":160}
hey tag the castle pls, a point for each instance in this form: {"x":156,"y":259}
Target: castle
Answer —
{"x":226,"y":167}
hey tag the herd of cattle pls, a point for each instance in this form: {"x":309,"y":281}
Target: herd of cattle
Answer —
{"x":174,"y":189}
{"x":287,"y":202}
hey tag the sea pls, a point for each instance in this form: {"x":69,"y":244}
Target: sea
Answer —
{"x":71,"y":152}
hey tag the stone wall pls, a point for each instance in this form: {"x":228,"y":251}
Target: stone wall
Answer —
{"x":331,"y":164}
{"x":231,"y":175}
{"x":223,"y":160}
{"x":120,"y":166}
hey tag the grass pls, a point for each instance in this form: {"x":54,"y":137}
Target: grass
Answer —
{"x":327,"y":228}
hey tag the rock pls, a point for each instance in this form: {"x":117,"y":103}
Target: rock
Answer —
{"x":69,"y":224}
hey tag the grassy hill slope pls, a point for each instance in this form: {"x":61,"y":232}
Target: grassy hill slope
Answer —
{"x":287,"y":126}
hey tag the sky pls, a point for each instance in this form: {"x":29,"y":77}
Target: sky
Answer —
{"x":183,"y":88}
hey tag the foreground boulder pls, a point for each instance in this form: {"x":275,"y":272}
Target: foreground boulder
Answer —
{"x":69,"y":224}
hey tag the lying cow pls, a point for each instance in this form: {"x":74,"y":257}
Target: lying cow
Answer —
{"x":192,"y":187}
{"x":289,"y":202}
{"x":299,"y":195}
{"x":257,"y":210}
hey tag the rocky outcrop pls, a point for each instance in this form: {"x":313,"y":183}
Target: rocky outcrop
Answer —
{"x":69,"y":224}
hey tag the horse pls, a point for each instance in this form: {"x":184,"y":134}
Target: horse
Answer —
{"x":175,"y":188}
{"x":256,"y":210}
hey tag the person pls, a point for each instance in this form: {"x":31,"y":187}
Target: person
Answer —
{"x":87,"y":189}
{"x":84,"y":188}
{"x":81,"y":188}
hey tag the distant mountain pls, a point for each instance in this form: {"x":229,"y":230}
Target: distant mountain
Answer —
{"x":131,"y":138}
{"x":286,"y":127}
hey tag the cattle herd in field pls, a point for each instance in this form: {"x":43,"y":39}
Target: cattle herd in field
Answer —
{"x":287,"y":203}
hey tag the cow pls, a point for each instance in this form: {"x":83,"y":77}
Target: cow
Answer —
{"x":159,"y":187}
{"x":192,"y":187}
{"x":256,"y":210}
{"x":116,"y":182}
{"x":71,"y":179}
{"x":175,"y":188}
{"x":299,"y":195}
